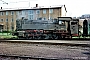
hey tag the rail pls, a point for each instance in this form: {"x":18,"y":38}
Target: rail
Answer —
{"x":5,"y":56}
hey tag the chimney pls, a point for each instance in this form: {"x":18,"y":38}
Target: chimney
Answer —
{"x":1,"y":7}
{"x":36,"y":5}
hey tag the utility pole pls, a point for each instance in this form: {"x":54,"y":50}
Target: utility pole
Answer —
{"x":49,"y":10}
{"x":12,"y":22}
{"x":29,"y":3}
{"x":7,"y":23}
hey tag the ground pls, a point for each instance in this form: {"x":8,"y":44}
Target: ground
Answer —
{"x":44,"y":51}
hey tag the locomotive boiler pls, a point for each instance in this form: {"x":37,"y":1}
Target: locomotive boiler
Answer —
{"x":62,"y":27}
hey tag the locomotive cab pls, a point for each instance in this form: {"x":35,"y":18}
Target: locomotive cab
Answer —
{"x":74,"y":27}
{"x":64,"y":23}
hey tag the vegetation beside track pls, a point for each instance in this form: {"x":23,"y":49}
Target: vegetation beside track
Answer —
{"x":81,"y":37}
{"x":6,"y":36}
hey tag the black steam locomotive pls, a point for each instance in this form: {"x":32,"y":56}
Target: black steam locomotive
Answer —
{"x":62,"y":27}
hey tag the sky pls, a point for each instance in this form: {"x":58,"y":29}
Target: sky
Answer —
{"x":75,"y":8}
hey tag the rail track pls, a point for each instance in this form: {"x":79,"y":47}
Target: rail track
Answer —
{"x":49,"y":44}
{"x":16,"y":57}
{"x":52,"y":42}
{"x":80,"y":39}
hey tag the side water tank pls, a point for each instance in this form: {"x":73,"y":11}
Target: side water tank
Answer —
{"x":85,"y":28}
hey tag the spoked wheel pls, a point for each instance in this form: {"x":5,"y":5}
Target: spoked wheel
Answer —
{"x":30,"y":37}
{"x":39,"y":37}
{"x":36,"y":38}
{"x":55,"y":36}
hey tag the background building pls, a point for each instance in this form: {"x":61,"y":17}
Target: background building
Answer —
{"x":8,"y":17}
